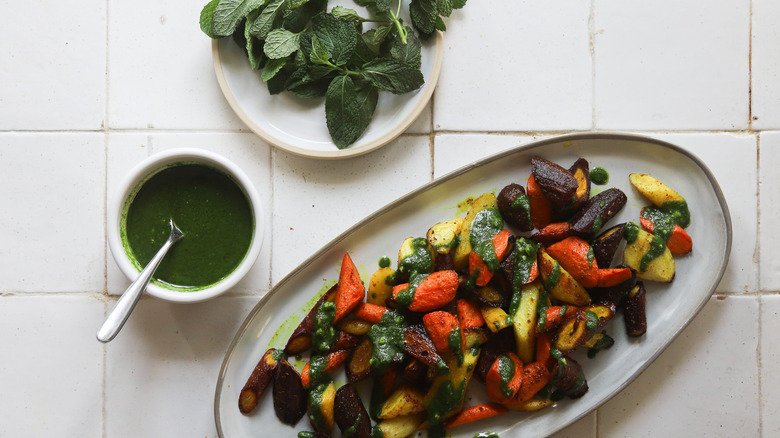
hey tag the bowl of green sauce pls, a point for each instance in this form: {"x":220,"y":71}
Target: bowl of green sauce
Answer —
{"x":211,"y":200}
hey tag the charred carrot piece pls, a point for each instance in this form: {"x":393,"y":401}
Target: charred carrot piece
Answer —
{"x":535,"y":377}
{"x":333,"y":362}
{"x":258,"y":381}
{"x":436,"y":290}
{"x":576,"y":257}
{"x":679,"y":242}
{"x":543,"y":345}
{"x":613,"y":276}
{"x":504,"y":378}
{"x":541,"y":209}
{"x":350,"y":291}
{"x":554,"y":232}
{"x":476,"y":413}
{"x":469,"y":314}
{"x":554,"y":317}
{"x":500,"y":244}
{"x":440,"y":326}
{"x":370,"y":312}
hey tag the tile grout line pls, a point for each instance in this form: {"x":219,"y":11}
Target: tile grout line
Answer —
{"x":592,"y":48}
{"x":432,"y":136}
{"x":760,"y":286}
{"x":104,"y":432}
{"x":750,"y":67}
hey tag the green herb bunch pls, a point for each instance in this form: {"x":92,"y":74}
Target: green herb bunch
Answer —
{"x":299,"y":47}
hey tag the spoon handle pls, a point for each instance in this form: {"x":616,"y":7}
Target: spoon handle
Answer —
{"x":118,"y":316}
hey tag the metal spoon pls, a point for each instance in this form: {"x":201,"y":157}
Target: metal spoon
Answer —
{"x":117,"y":318}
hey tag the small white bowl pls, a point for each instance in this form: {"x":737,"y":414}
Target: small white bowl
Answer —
{"x":129,"y":187}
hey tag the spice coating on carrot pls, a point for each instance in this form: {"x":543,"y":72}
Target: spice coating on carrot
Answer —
{"x":440,"y":326}
{"x":576,"y":257}
{"x":370,"y":312}
{"x":541,"y":209}
{"x":476,"y":413}
{"x":501,"y":245}
{"x":350,"y":291}
{"x":435,"y":290}
{"x":469,"y":314}
{"x":504,"y":378}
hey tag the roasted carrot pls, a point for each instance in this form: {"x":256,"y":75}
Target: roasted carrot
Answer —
{"x":476,"y":413}
{"x":679,"y":242}
{"x":501,"y":245}
{"x":370,"y":312}
{"x":543,"y":345}
{"x":350,"y":291}
{"x":469,"y":314}
{"x":554,"y":316}
{"x":535,"y":376}
{"x":436,"y":290}
{"x":333,"y":361}
{"x":440,"y":326}
{"x":258,"y":381}
{"x":554,"y":232}
{"x":576,"y":257}
{"x":504,"y":378}
{"x":541,"y":209}
{"x":613,"y":276}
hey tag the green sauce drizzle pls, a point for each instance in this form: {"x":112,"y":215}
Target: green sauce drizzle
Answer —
{"x":384,"y":262}
{"x":487,"y":223}
{"x":525,"y":256}
{"x":486,"y":435}
{"x":446,"y":400}
{"x":630,"y":232}
{"x":387,"y":338}
{"x":324,"y":333}
{"x":406,"y":296}
{"x":591,"y":320}
{"x":455,"y":342}
{"x":679,"y":212}
{"x":522,"y":203}
{"x":599,"y":176}
{"x":420,"y":260}
{"x":506,"y":369}
{"x":315,"y":405}
{"x":554,"y":276}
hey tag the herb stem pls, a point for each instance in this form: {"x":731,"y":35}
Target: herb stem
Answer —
{"x":401,"y":30}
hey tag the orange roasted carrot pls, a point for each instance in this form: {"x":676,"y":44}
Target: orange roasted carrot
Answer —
{"x":476,"y":413}
{"x":543,"y":345}
{"x":501,"y":245}
{"x":554,"y":316}
{"x":504,"y":378}
{"x":554,"y":232}
{"x":541,"y":210}
{"x":613,"y":276}
{"x":436,"y":290}
{"x":679,"y":242}
{"x":370,"y":312}
{"x":535,"y":377}
{"x":440,"y":326}
{"x":576,"y":257}
{"x":469,"y":314}
{"x":350,"y":291}
{"x":333,"y":362}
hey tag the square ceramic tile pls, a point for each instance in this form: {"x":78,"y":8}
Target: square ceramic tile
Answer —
{"x":52,"y":367}
{"x":160,"y":69}
{"x":585,"y":427}
{"x":704,"y":384}
{"x":765,"y":64}
{"x":770,"y":365}
{"x":732,"y":158}
{"x":453,"y":151}
{"x":246,"y":150}
{"x":162,"y":368}
{"x":516,"y":66}
{"x":315,"y":200}
{"x":769,"y":211}
{"x":54,"y":65}
{"x":672,"y":65}
{"x":52,"y":186}
{"x":422,"y":125}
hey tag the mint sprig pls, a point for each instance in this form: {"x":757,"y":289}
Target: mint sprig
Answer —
{"x":300,"y":48}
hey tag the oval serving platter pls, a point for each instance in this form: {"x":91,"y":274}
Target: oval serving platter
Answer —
{"x":670,"y":307}
{"x":298,"y":125}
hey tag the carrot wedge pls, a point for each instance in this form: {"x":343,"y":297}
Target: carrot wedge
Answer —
{"x":679,"y":242}
{"x":469,"y":314}
{"x":541,"y":209}
{"x":554,"y":316}
{"x":350,"y":291}
{"x":433,"y":292}
{"x":333,"y":361}
{"x":535,"y":377}
{"x":500,"y":244}
{"x":476,"y":413}
{"x":576,"y":257}
{"x":440,"y":326}
{"x":613,"y":276}
{"x":258,"y":381}
{"x":554,"y":232}
{"x":504,"y":378}
{"x":370,"y":312}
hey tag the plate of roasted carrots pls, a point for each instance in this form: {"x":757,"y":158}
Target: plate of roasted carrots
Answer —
{"x":514,"y":295}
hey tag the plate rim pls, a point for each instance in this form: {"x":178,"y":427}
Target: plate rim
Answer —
{"x":397,"y":130}
{"x":464,"y":169}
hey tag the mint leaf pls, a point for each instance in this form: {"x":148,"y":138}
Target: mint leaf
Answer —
{"x":346,"y":14}
{"x":253,"y":45}
{"x":338,"y":37}
{"x":409,"y":53}
{"x":280,"y":43}
{"x":207,"y":18}
{"x":228,"y":13}
{"x":444,"y":7}
{"x":298,"y":3}
{"x":393,"y":76}
{"x":367,"y":97}
{"x":319,"y":53}
{"x":272,"y":67}
{"x":383,"y":5}
{"x":269,"y":18}
{"x":440,"y":24}
{"x":341,"y":111}
{"x":424,"y":13}
{"x":458,"y":4}
{"x":298,"y":18}
{"x":363,"y":53}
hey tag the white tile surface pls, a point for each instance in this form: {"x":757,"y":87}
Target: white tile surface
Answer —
{"x":52,"y":186}
{"x":315,"y":201}
{"x":765,"y":64}
{"x":453,"y":151}
{"x":769,"y":230}
{"x":516,"y":66}
{"x":51,"y":370}
{"x":160,"y":68}
{"x":770,"y":358}
{"x":585,"y":427}
{"x":671,"y":65}
{"x":705,"y":383}
{"x":161,"y":370}
{"x":54,"y":65}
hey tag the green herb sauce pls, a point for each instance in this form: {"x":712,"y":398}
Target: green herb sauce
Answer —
{"x":324,"y":333}
{"x":486,"y":435}
{"x":446,"y":400}
{"x":455,"y":342}
{"x":591,"y":320}
{"x":679,"y":212}
{"x":384,"y":262}
{"x":352,"y":429}
{"x":487,"y":223}
{"x":317,"y":365}
{"x":597,"y":224}
{"x":420,"y":260}
{"x":599,"y":176}
{"x":630,"y":232}
{"x":523,"y":204}
{"x":315,"y":405}
{"x":506,"y":369}
{"x":554,"y":277}
{"x":211,"y":210}
{"x":663,"y":225}
{"x":525,"y":256}
{"x":406,"y":296}
{"x":590,"y":256}
{"x":387,"y":338}
{"x":657,"y":247}
{"x":306,"y":434}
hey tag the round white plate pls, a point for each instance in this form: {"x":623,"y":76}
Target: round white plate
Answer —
{"x":670,"y":307}
{"x":298,"y":125}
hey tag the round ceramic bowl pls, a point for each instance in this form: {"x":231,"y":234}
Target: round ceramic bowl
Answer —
{"x":117,"y":211}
